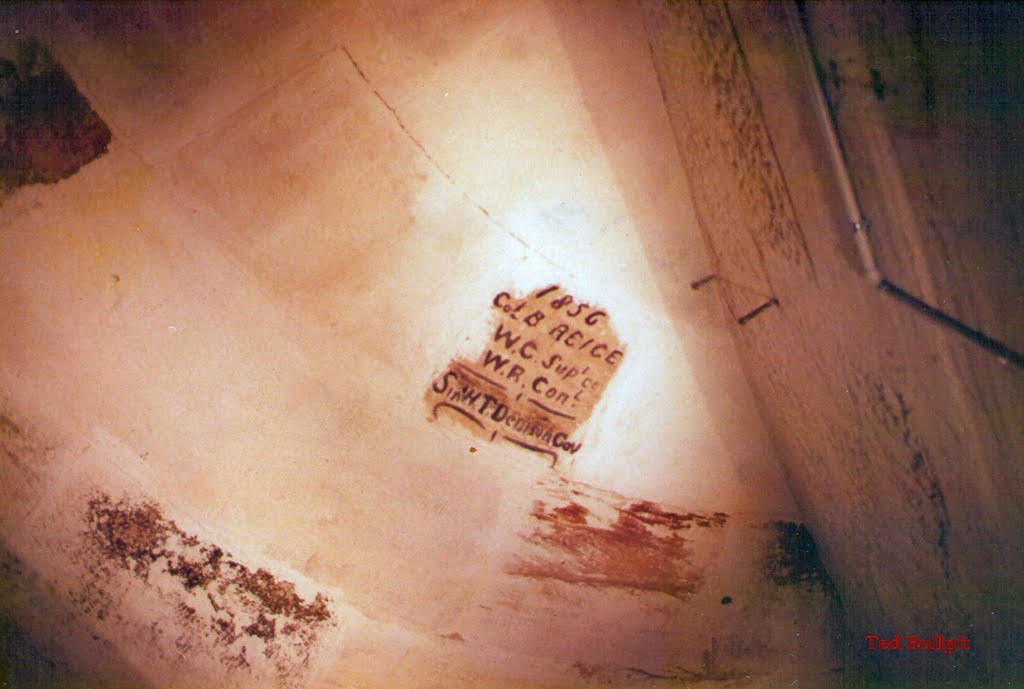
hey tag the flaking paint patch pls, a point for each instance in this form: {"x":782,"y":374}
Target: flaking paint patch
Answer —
{"x":222,"y":608}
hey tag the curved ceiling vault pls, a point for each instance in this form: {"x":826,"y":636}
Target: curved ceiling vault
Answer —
{"x":500,"y":344}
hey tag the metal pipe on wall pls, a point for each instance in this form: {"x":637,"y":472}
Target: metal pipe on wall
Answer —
{"x":856,"y":216}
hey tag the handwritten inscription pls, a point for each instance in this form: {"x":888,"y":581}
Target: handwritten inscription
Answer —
{"x":540,"y":376}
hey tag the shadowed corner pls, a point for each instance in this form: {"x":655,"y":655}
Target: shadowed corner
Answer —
{"x":49,"y":129}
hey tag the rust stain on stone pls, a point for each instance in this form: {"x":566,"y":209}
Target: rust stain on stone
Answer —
{"x":573,"y":513}
{"x":642,"y":549}
{"x":651,"y":514}
{"x":222,"y":605}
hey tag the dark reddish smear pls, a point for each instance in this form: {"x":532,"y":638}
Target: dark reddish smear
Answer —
{"x":626,"y":555}
{"x":651,"y":514}
{"x":573,"y":512}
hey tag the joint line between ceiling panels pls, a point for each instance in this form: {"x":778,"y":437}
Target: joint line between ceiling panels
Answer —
{"x":443,"y":172}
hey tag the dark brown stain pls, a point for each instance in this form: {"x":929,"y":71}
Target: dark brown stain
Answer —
{"x":651,"y":514}
{"x":50,"y":130}
{"x":573,"y":513}
{"x":625,"y":555}
{"x":793,"y":557}
{"x":918,"y":484}
{"x":225,"y":630}
{"x":17,"y":446}
{"x":236,"y":661}
{"x":8,"y":427}
{"x":137,"y":538}
{"x":197,"y":573}
{"x":484,"y":404}
{"x":461,"y":412}
{"x":926,"y":487}
{"x":619,"y":675}
{"x":534,"y":448}
{"x":264,"y":627}
{"x":878,"y":86}
{"x":132,"y":535}
{"x":279,"y":597}
{"x":586,"y":671}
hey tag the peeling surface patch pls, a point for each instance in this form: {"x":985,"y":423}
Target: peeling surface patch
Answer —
{"x":222,"y":607}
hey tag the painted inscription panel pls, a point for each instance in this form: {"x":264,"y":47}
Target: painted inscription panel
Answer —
{"x":542,"y":372}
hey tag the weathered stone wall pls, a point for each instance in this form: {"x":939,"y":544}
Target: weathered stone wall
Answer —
{"x":901,"y":439}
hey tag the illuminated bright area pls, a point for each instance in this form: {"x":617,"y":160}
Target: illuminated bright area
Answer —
{"x":511,"y":344}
